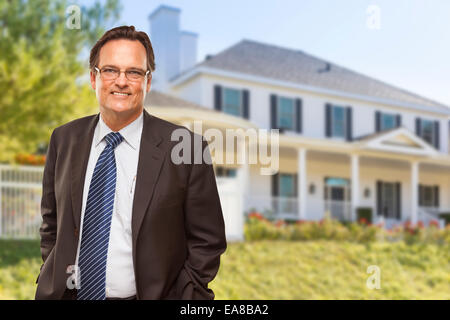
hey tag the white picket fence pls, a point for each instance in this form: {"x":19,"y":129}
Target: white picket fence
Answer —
{"x":20,"y":200}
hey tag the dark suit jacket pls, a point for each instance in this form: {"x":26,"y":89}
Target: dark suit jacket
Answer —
{"x":178,"y":230}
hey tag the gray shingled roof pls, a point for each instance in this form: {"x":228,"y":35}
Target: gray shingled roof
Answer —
{"x":157,"y":98}
{"x":269,"y":61}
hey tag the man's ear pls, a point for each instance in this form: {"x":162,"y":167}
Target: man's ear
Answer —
{"x":93,"y":75}
{"x":149,"y":82}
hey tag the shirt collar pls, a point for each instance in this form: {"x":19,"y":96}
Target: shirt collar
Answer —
{"x":131,"y":133}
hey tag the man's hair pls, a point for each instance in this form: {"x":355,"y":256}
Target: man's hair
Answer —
{"x":123,"y":32}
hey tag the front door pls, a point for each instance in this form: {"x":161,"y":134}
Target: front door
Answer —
{"x":388,"y":199}
{"x":337,"y":194}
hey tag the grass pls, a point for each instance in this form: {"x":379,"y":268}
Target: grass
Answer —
{"x":285,"y":270}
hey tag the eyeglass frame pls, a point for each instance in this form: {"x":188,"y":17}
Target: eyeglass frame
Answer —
{"x":120,"y":71}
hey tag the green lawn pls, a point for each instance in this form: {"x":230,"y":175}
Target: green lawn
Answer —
{"x":286,"y":270}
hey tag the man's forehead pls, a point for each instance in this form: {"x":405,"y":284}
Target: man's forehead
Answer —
{"x":123,"y":52}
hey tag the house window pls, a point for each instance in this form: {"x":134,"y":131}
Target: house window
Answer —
{"x":387,"y":121}
{"x":286,"y":114}
{"x":338,"y":123}
{"x":337,"y":189}
{"x":225,"y":172}
{"x":232,"y":101}
{"x":287,"y":186}
{"x":428,"y":196}
{"x":428,"y":131}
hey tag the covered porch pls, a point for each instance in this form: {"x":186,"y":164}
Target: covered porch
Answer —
{"x":396,"y":175}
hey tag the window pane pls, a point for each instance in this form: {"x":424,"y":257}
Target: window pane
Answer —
{"x":428,"y":196}
{"x":387,"y":121}
{"x":286,"y":113}
{"x":427,"y":131}
{"x":336,"y":182}
{"x":338,"y":122}
{"x":232,"y":102}
{"x":286,"y":185}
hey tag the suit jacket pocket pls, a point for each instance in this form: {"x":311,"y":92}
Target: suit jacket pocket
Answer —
{"x":178,"y":289}
{"x":37,"y":279}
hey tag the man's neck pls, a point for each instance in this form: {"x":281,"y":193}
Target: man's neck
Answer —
{"x":116,"y":122}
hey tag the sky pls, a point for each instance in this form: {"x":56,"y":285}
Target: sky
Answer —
{"x":405,"y":43}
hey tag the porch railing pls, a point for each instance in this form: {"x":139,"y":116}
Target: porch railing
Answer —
{"x":20,"y":197}
{"x":428,"y":214}
{"x":273,"y":207}
{"x":339,"y":210}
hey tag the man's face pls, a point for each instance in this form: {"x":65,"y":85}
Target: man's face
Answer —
{"x":121,"y":54}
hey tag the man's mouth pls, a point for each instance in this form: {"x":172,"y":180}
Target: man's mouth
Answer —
{"x":123,"y":94}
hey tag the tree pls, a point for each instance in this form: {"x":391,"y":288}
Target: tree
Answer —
{"x":42,"y":69}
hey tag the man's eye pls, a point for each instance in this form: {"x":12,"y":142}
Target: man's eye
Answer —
{"x":135,"y":73}
{"x":108,"y":70}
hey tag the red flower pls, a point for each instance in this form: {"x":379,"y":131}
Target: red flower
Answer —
{"x":420,"y":224}
{"x":279,"y":223}
{"x":434,"y":223}
{"x":363,"y":220}
{"x":256,"y":215}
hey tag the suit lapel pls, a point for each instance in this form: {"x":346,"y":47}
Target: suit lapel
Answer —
{"x":151,"y":158}
{"x":80,"y":157}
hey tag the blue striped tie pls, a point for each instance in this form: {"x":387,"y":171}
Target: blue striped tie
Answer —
{"x":97,"y":222}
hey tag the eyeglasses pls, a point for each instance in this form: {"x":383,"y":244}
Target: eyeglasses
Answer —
{"x":109,"y":73}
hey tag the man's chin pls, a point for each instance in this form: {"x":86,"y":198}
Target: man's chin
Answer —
{"x":121,"y":109}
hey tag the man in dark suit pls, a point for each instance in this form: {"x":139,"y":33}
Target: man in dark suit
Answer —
{"x":121,"y":220}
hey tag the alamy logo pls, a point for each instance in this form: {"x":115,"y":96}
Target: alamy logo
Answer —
{"x":73,"y":20}
{"x":72,"y":281}
{"x":237,"y":146}
{"x":374,"y":280}
{"x":373,"y":17}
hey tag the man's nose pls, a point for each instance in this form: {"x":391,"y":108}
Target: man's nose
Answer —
{"x":121,"y":80}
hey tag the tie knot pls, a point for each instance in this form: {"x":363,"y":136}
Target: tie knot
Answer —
{"x":113,"y":139}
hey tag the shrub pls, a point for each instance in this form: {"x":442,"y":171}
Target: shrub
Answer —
{"x":260,"y":228}
{"x":364,"y":213}
{"x":30,"y":159}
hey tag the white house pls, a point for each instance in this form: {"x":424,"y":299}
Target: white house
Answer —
{"x":347,"y":141}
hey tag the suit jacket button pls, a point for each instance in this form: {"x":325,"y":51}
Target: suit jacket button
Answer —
{"x":76,"y":232}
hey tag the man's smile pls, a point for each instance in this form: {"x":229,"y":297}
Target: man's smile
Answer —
{"x":118,"y":94}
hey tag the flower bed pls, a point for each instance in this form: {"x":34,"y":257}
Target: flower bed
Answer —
{"x":30,"y":159}
{"x":257,"y":227}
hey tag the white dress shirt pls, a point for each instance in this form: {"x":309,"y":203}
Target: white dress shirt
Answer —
{"x":120,"y":281}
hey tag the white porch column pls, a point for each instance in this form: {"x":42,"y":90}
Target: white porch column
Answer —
{"x":301,"y":183}
{"x":414,"y":196}
{"x":244,"y":171}
{"x":187,"y":124}
{"x":355,"y":186}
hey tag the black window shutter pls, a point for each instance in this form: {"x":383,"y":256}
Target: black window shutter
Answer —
{"x":418,"y":127}
{"x":218,"y":97}
{"x":436,"y":196}
{"x":379,"y":198}
{"x":328,"y":120}
{"x":398,"y":120}
{"x":298,"y":106}
{"x":398,"y":194}
{"x":436,"y":134}
{"x":273,"y":111}
{"x":295,"y":185}
{"x":349,"y":133}
{"x":420,"y":195}
{"x":246,"y":103}
{"x":275,"y":178}
{"x":377,"y":121}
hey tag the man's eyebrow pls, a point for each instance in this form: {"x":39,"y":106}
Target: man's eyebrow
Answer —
{"x":116,"y":67}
